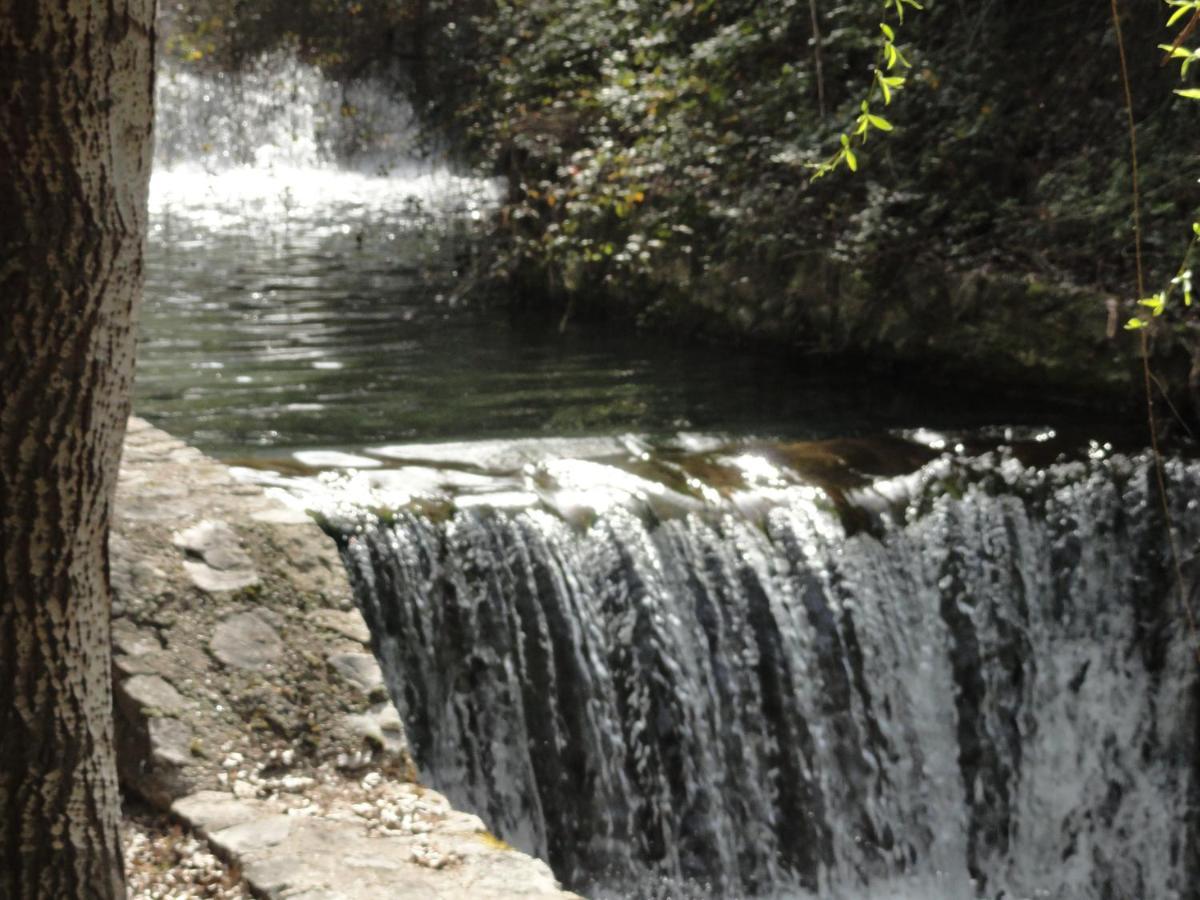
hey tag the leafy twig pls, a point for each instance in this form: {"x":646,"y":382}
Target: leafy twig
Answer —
{"x":883,"y":84}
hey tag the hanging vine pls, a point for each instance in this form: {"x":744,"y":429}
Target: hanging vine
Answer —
{"x":884,"y":84}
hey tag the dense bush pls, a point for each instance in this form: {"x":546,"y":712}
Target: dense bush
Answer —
{"x":348,"y":39}
{"x":655,"y":143}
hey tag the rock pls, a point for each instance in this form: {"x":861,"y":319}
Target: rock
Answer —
{"x":133,"y":641}
{"x":232,"y":761}
{"x":213,"y":580}
{"x":141,"y":664}
{"x":295,"y":784}
{"x":153,"y":745}
{"x":133,"y":580}
{"x":170,"y":741}
{"x":278,"y":514}
{"x":381,"y":727}
{"x":245,"y":641}
{"x":153,"y":692}
{"x":152,"y":502}
{"x":361,"y":670}
{"x":276,"y":874}
{"x":347,"y":623}
{"x":219,"y":563}
{"x":214,"y":542}
{"x":272,"y":617}
{"x":257,"y":834}
{"x":332,"y":860}
{"x":212,"y":811}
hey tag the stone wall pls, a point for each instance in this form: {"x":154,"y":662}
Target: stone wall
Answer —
{"x":250,"y":706}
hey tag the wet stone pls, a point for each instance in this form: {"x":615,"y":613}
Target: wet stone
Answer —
{"x":245,"y":641}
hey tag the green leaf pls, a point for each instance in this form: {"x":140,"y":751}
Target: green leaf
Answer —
{"x":1189,"y":93}
{"x":851,"y":160}
{"x":1155,"y":304}
{"x":887,"y":91}
{"x":1134,"y":324}
{"x":1175,"y":52}
{"x":887,"y":31}
{"x":880,"y":122}
{"x":1182,"y":10}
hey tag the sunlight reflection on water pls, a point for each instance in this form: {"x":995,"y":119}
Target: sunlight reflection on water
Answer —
{"x":324,"y":201}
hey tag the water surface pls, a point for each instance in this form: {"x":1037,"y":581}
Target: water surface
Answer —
{"x":296,"y":308}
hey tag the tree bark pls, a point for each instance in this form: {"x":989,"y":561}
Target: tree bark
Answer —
{"x":76,"y":99}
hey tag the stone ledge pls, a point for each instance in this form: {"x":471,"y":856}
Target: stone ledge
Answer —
{"x":379,"y":841}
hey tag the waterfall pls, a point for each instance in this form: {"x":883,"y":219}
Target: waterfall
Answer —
{"x":280,"y":146}
{"x":277,"y":111}
{"x":987,"y":691}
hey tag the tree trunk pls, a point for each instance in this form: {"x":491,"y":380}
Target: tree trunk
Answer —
{"x":76,"y":98}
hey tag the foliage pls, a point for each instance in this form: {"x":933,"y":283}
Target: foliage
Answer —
{"x":348,"y":39}
{"x":884,"y":83}
{"x":640,"y":134}
{"x":1157,"y":304}
{"x":659,"y":147}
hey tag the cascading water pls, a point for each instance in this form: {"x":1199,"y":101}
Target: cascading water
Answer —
{"x":279,"y":141}
{"x":277,"y":111}
{"x":987,"y":692}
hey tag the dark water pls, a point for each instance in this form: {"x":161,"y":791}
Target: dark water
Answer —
{"x":311,"y":308}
